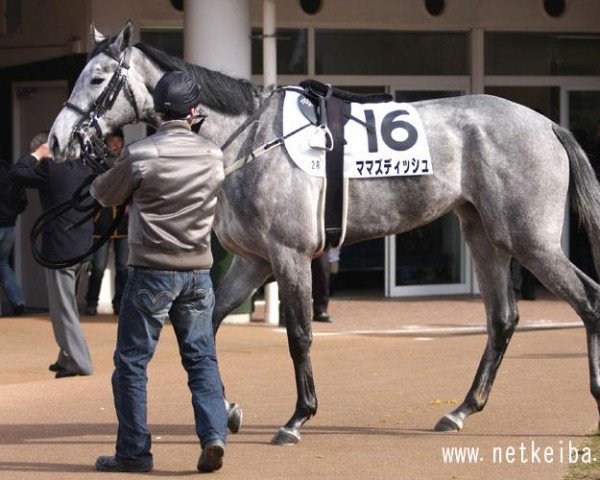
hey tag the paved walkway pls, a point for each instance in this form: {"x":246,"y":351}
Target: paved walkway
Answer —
{"x":382,"y":385}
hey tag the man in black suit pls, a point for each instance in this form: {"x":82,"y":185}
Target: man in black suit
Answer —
{"x":56,"y":183}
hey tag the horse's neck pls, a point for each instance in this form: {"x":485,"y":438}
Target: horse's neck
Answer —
{"x":218,"y":128}
{"x":262,"y":127}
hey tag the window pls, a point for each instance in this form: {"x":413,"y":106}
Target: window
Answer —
{"x":167,"y":40}
{"x":291,"y":51}
{"x":544,"y":100}
{"x":541,"y":54}
{"x":291,"y":48}
{"x":376,"y":52}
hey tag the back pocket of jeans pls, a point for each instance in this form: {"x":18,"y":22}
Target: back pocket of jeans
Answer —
{"x":155,"y":302}
{"x":203,"y":298}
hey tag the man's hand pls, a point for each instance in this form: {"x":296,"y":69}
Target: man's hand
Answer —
{"x":42,"y":152}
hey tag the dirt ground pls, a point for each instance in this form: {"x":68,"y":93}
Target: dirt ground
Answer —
{"x":385,"y":370}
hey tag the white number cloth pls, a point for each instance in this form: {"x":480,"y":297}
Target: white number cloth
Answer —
{"x":390,"y":141}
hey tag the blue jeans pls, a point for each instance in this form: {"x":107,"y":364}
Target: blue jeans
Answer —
{"x":7,"y":275}
{"x":187,"y":298}
{"x":98,"y":265}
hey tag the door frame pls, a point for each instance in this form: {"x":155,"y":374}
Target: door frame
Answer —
{"x":564,"y":105}
{"x":28,"y":272}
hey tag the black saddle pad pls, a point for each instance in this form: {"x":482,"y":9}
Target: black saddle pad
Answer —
{"x":320,"y":89}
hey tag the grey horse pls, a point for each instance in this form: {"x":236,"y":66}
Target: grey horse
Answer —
{"x":506,"y":171}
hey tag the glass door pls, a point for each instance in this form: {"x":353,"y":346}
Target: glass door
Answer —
{"x":430,"y":260}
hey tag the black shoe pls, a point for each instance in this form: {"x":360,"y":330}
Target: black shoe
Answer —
{"x":528,"y":294}
{"x":211,"y":458}
{"x":64,"y":373}
{"x":323,"y":317}
{"x":54,"y":367}
{"x":91,"y":310}
{"x":112,"y":464}
{"x":18,"y":310}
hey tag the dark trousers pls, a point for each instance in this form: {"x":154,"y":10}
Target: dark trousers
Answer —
{"x":98,"y":265}
{"x":321,"y":270}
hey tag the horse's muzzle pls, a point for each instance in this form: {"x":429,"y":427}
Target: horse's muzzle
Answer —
{"x":61,"y":153}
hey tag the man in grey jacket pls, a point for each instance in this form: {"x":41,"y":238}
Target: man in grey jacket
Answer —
{"x":172,"y":178}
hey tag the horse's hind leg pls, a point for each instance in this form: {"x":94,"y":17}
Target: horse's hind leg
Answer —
{"x":564,"y":279}
{"x":492,"y":267}
{"x":242,"y":279}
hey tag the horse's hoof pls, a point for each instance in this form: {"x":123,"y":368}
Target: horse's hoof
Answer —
{"x":449,"y":423}
{"x":285,"y":436}
{"x":234,"y":418}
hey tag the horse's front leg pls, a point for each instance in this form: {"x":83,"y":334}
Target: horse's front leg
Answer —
{"x":242,"y":279}
{"x":292,"y":272}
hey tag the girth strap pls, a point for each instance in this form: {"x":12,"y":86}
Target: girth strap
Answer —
{"x":334,"y":160}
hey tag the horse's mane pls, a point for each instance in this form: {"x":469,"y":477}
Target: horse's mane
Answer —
{"x":220,"y":92}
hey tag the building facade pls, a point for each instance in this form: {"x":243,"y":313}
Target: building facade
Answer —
{"x":542,"y":54}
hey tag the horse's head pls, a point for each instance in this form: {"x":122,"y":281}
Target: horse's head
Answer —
{"x":111,"y":91}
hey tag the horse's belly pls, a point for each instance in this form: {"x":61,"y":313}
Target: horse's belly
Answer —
{"x":381,"y":207}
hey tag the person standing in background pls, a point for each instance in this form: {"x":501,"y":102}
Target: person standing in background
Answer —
{"x":56,"y":183}
{"x":320,"y":273}
{"x":115,"y":141}
{"x":12,"y":202}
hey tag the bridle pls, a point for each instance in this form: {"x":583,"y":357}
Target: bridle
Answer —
{"x":94,"y":151}
{"x":87,"y":130}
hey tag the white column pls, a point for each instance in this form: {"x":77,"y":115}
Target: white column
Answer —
{"x":477,"y":61}
{"x":272,"y":303}
{"x":270,"y":78}
{"x":477,"y":86}
{"x":269,"y":43}
{"x":216,"y":35}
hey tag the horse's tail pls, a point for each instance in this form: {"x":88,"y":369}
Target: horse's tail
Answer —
{"x":584,"y":190}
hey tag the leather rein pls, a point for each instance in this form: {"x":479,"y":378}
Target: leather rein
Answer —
{"x":242,"y":162}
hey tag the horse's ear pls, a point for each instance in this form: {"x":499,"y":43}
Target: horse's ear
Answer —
{"x":123,"y":40}
{"x":96,"y":35}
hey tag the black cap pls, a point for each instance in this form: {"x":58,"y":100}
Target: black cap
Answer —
{"x":175,"y":94}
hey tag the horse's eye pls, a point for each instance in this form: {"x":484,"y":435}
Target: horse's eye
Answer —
{"x":97,"y":81}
